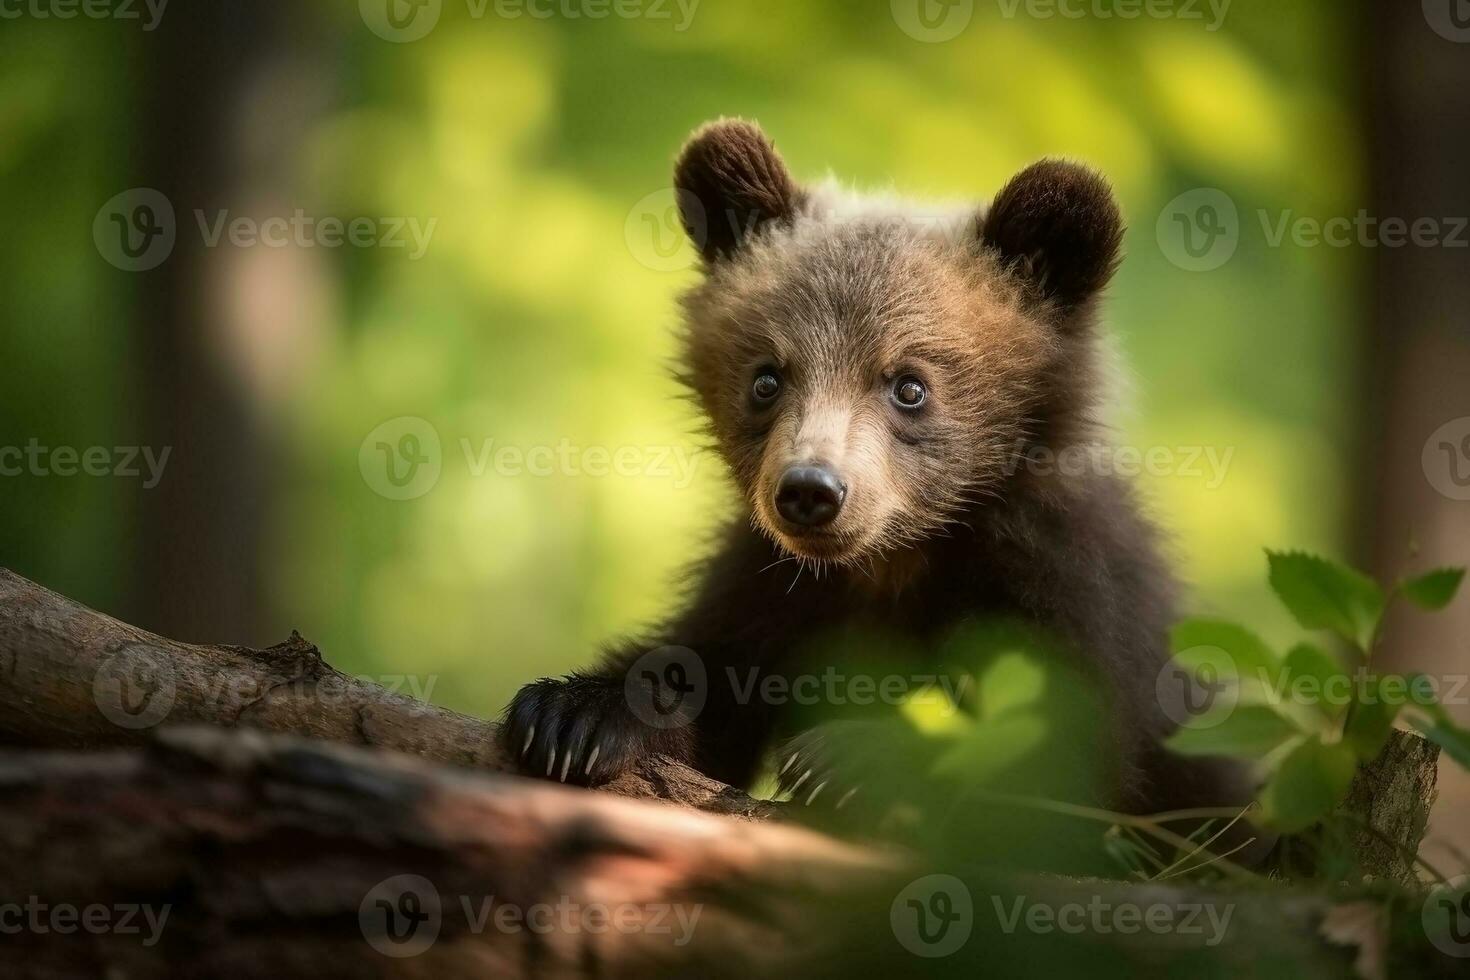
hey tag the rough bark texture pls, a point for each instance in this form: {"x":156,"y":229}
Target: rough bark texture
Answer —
{"x":259,"y":855}
{"x":75,"y":678}
{"x":278,"y":856}
{"x":1394,"y":794}
{"x":281,"y":855}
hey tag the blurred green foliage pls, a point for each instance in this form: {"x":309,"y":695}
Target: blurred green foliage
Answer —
{"x":1310,"y":718}
{"x":531,"y":320}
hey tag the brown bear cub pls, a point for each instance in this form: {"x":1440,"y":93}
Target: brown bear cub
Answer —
{"x":871,"y":375}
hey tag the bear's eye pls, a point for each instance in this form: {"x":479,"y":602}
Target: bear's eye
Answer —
{"x":909,"y":392}
{"x":767,"y":386}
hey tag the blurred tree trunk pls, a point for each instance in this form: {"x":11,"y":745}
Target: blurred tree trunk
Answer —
{"x":222,"y":97}
{"x":197,"y":567}
{"x":1416,"y":486}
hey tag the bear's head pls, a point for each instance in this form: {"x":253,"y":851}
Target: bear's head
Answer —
{"x":871,"y":372}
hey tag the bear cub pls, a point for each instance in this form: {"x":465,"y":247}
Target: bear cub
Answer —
{"x":871,"y":373}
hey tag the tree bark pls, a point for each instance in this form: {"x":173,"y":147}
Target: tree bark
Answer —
{"x":75,"y":678}
{"x":242,"y":853}
{"x":256,"y":855}
{"x":1394,"y":795}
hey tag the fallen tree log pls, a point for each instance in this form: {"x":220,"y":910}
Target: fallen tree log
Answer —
{"x":241,"y":854}
{"x":245,"y":855}
{"x":282,"y":855}
{"x":71,"y":677}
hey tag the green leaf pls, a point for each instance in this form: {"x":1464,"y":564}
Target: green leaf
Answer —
{"x":1251,"y":656}
{"x":1422,"y":692}
{"x":1372,"y":719}
{"x":1324,"y":595}
{"x":1011,"y":681}
{"x":1446,"y":734}
{"x":1308,"y":785}
{"x":1313,"y":677}
{"x":991,"y":747}
{"x":1434,"y":590}
{"x":1247,"y":731}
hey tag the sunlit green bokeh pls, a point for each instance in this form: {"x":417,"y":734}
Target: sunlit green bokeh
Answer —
{"x":539,"y":314}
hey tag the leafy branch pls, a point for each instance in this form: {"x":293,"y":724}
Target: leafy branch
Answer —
{"x":1311,"y":717}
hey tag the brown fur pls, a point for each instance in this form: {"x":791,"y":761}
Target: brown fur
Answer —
{"x":730,"y":183}
{"x":995,"y":313}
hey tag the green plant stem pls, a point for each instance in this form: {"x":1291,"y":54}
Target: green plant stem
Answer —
{"x":1205,"y":864}
{"x":1149,"y":825}
{"x":1167,"y":872}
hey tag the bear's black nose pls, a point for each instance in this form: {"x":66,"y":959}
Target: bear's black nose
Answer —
{"x":809,"y":495}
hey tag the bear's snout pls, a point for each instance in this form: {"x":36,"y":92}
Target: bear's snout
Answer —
{"x":810,"y":495}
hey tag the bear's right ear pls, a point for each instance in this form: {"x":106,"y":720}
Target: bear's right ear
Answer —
{"x":1058,"y":226}
{"x":731,"y":183}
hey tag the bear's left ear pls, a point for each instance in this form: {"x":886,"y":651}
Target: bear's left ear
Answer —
{"x":1058,"y":226}
{"x":731,"y":182}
